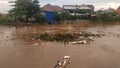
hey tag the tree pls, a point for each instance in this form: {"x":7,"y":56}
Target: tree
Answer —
{"x":25,"y":9}
{"x":84,"y":11}
{"x":0,"y":15}
{"x":64,"y":15}
{"x":109,"y":16}
{"x":36,"y":11}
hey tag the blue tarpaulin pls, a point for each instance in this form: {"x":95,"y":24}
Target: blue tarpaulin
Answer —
{"x":49,"y":15}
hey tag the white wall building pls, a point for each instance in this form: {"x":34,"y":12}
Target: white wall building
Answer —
{"x":81,"y":7}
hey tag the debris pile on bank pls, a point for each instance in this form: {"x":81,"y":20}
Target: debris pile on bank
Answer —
{"x":71,"y":38}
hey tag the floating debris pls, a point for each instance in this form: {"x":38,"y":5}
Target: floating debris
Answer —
{"x":74,"y":38}
{"x":63,"y":63}
{"x":36,"y":44}
{"x":15,"y":37}
{"x":79,"y":42}
{"x":118,"y":35}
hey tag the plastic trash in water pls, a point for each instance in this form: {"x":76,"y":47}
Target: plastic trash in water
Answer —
{"x":36,"y":44}
{"x":79,"y":42}
{"x":63,"y":63}
{"x":66,"y":57}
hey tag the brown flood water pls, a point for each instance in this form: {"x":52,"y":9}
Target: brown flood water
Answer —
{"x":102,"y":53}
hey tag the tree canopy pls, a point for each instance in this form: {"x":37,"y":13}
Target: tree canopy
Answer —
{"x":25,"y":9}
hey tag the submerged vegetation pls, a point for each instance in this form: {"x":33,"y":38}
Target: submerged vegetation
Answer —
{"x":59,"y":37}
{"x":66,"y":37}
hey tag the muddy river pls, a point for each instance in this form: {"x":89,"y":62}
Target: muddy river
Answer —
{"x":17,"y":53}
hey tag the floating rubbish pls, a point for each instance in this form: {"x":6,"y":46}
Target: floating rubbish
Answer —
{"x":16,"y":37}
{"x":36,"y":44}
{"x":80,"y":42}
{"x":63,"y":63}
{"x":118,"y":35}
{"x":82,"y":37}
{"x":91,"y":37}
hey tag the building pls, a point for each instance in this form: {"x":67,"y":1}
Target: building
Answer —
{"x":49,"y":12}
{"x":50,"y":7}
{"x":118,"y":8}
{"x":3,"y":15}
{"x":108,"y":10}
{"x":117,"y":11}
{"x":72,"y":8}
{"x":92,"y":7}
{"x":111,"y":10}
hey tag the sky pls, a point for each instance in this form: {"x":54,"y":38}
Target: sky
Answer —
{"x":99,"y":4}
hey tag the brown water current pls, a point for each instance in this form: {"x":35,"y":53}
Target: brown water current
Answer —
{"x":17,"y":53}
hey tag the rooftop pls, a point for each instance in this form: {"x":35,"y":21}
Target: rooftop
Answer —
{"x":49,"y":7}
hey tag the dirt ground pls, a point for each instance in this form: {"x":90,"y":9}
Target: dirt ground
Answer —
{"x":17,"y":53}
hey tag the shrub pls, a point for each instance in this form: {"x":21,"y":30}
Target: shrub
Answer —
{"x":5,"y":20}
{"x":39,"y":19}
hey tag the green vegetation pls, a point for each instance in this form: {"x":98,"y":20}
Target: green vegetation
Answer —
{"x":66,"y":37}
{"x":107,"y":17}
{"x":59,"y":37}
{"x":61,"y":16}
{"x":30,"y":11}
{"x":5,"y":19}
{"x":84,"y":11}
{"x":26,"y":11}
